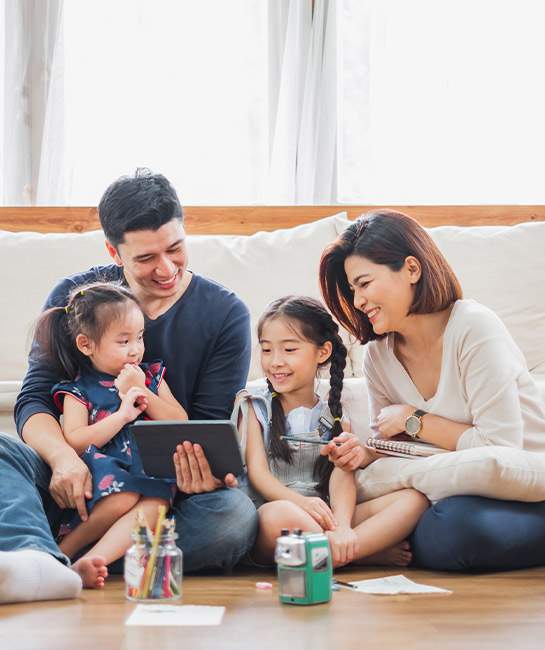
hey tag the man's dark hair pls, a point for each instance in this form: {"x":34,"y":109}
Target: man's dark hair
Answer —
{"x":145,"y":201}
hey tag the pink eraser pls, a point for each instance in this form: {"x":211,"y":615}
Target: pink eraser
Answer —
{"x":263,"y":585}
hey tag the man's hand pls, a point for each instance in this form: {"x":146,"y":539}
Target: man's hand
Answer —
{"x":193,"y":474}
{"x":71,"y":482}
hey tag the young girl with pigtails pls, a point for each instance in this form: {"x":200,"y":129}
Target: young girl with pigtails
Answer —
{"x":292,"y":484}
{"x":96,"y":345}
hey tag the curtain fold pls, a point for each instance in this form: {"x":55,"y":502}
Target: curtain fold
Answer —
{"x":316,"y":146}
{"x":31,"y":38}
{"x":302,"y":101}
{"x":299,"y":92}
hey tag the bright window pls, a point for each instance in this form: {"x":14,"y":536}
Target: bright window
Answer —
{"x":254,"y":101}
{"x":442,"y":102}
{"x":177,"y":86}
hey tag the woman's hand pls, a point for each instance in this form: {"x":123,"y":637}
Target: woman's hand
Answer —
{"x":344,"y":545}
{"x":319,"y":510}
{"x":350,"y":455}
{"x":133,"y":403}
{"x":391,"y":419}
{"x":129,"y":376}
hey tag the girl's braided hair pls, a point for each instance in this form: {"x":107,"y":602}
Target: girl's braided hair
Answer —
{"x":313,"y":322}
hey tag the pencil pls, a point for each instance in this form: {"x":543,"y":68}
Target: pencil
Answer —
{"x":344,"y":584}
{"x":166,"y":581}
{"x":311,"y":441}
{"x":153,"y":554}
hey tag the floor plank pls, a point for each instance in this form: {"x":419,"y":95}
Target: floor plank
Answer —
{"x":501,"y":610}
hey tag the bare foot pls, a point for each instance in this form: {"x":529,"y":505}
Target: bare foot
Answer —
{"x":92,"y":571}
{"x":397,"y":555}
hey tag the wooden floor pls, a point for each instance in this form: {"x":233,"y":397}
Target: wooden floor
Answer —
{"x":502,"y":610}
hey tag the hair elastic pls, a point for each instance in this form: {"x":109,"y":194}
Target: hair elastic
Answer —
{"x":66,"y":310}
{"x":273,"y":394}
{"x":81,"y":292}
{"x":337,"y":420}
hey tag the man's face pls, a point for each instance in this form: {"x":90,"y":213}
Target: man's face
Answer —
{"x":154,"y":262}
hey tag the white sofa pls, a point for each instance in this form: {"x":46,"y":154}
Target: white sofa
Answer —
{"x":500,"y":266}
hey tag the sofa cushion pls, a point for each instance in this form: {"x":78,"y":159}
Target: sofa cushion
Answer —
{"x":494,"y":472}
{"x":503,"y":267}
{"x":266,"y":265}
{"x":258,"y":268}
{"x":30,"y":266}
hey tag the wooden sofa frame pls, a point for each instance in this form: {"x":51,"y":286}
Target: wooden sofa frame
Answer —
{"x":245,"y":220}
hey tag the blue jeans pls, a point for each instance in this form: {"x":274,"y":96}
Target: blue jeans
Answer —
{"x":469,"y":533}
{"x":23,"y":520}
{"x":215,"y":529}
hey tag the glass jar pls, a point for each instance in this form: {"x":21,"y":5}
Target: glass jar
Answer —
{"x":153,"y":569}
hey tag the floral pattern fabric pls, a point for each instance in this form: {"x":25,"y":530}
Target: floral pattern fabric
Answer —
{"x":117,"y":466}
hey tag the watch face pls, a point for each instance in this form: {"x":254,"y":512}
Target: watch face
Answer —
{"x":412,"y":426}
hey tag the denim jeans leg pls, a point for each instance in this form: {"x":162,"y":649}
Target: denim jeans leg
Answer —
{"x":468,"y":533}
{"x":23,"y":522}
{"x":215,"y":529}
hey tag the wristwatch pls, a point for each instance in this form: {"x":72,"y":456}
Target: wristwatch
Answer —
{"x":413,"y":423}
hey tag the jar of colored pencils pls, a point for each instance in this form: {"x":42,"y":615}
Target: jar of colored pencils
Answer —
{"x":153,"y":567}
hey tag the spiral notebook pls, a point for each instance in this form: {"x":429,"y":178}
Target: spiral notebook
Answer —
{"x":406,"y":448}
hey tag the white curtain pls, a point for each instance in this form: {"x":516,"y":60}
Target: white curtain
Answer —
{"x":250,"y":118}
{"x":278,"y":102}
{"x":302,"y":101}
{"x":32,"y":33}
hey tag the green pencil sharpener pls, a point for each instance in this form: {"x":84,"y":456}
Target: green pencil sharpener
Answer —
{"x":304,"y":568}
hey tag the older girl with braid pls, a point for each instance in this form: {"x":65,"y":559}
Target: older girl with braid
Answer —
{"x":292,"y":485}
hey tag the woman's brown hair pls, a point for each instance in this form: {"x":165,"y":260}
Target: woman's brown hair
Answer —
{"x":385,"y":237}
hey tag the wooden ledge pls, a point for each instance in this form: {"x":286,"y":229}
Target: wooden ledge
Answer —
{"x":245,"y":220}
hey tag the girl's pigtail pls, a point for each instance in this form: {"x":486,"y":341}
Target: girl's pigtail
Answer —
{"x":56,"y":342}
{"x":279,"y":448}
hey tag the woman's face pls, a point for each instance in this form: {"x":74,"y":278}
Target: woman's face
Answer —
{"x":383,"y":295}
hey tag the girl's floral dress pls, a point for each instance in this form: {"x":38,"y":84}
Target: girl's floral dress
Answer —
{"x":117,"y":466}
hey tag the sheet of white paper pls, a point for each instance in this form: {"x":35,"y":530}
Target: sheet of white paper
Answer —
{"x":164,"y":615}
{"x":395,"y":585}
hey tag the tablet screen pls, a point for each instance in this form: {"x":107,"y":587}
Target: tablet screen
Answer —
{"x":157,"y":440}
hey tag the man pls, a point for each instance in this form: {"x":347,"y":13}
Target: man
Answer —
{"x":201,"y":331}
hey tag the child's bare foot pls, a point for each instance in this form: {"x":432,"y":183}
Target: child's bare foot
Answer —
{"x":92,"y":571}
{"x":397,"y":555}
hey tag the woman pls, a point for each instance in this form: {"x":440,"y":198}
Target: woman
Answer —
{"x":442,"y":369}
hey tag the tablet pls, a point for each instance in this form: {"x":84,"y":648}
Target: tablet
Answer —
{"x":156,"y":441}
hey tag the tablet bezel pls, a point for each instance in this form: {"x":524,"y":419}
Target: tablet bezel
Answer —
{"x":157,"y":440}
